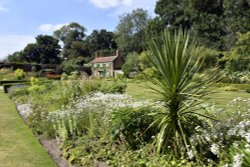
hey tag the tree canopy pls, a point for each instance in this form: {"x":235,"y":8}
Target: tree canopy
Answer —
{"x":130,"y":31}
{"x":214,"y":22}
{"x":46,"y":50}
{"x":100,"y":40}
{"x":69,"y":34}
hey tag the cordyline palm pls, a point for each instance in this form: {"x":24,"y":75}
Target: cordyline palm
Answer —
{"x":174,"y":59}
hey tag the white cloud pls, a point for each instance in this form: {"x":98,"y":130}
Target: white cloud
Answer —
{"x":3,"y":9}
{"x":12,"y":43}
{"x":48,"y":28}
{"x":125,"y":6}
{"x":106,"y":3}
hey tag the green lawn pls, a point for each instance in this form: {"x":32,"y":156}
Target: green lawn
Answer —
{"x":219,"y":97}
{"x":18,"y":146}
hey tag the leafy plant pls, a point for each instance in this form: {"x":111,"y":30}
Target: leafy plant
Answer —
{"x":174,"y":57}
{"x":240,"y":155}
{"x":248,"y":90}
{"x":131,"y":64}
{"x":130,"y":125}
{"x":19,"y":73}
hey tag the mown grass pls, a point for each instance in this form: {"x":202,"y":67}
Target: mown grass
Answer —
{"x":219,"y":96}
{"x":18,"y":146}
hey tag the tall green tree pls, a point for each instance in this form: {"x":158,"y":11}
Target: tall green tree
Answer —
{"x":46,"y":50}
{"x":239,"y":56}
{"x":174,"y":13}
{"x":214,"y":22}
{"x":237,"y":14}
{"x":69,"y":34}
{"x":130,"y":32}
{"x":98,"y":41}
{"x":15,"y":57}
{"x":31,"y":53}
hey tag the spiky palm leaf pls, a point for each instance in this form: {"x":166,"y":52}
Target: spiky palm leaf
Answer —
{"x":175,"y":59}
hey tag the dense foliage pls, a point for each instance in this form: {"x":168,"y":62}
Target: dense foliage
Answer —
{"x":46,"y":50}
{"x":214,"y":22}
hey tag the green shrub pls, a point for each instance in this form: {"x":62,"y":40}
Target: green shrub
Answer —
{"x":248,"y":90}
{"x":38,"y":123}
{"x":133,"y":126}
{"x":73,"y":75}
{"x":236,"y":77}
{"x":7,"y":74}
{"x":18,"y":92}
{"x":37,"y":89}
{"x":64,"y":76}
{"x":239,"y":56}
{"x":211,"y":57}
{"x":131,"y":64}
{"x":119,"y":76}
{"x":34,"y":81}
{"x":19,"y":73}
{"x":117,"y":86}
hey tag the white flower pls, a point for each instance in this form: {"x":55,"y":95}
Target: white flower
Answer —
{"x":215,"y":149}
{"x":238,"y":158}
{"x":247,"y":137}
{"x":24,"y":110}
{"x":190,"y":154}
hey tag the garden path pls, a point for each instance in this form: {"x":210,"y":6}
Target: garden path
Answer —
{"x":18,"y":146}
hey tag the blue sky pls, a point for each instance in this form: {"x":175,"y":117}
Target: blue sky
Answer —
{"x":22,"y":20}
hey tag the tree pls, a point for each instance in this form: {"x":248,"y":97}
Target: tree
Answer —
{"x":209,"y":23}
{"x":204,"y":17}
{"x":214,"y":22}
{"x":48,"y":49}
{"x":237,"y":20}
{"x":68,"y":34}
{"x":174,"y":13}
{"x":101,"y":40}
{"x":15,"y":57}
{"x":131,"y":64}
{"x":130,"y":31}
{"x":239,"y":56}
{"x":31,"y":53}
{"x":73,"y":64}
{"x":155,"y":27}
{"x":78,"y":49}
{"x":173,"y":59}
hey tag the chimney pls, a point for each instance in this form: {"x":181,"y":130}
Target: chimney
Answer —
{"x":117,"y":53}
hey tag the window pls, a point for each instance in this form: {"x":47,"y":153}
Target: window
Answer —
{"x":95,"y":65}
{"x":101,"y":65}
{"x":107,"y":74}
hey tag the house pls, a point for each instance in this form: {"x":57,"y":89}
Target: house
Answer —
{"x":107,"y":66}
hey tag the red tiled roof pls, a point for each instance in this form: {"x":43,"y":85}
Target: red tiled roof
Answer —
{"x":104,"y":59}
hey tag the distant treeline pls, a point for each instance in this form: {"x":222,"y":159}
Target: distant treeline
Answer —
{"x":31,"y":67}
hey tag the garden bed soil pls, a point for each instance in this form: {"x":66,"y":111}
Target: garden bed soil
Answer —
{"x":54,"y":151}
